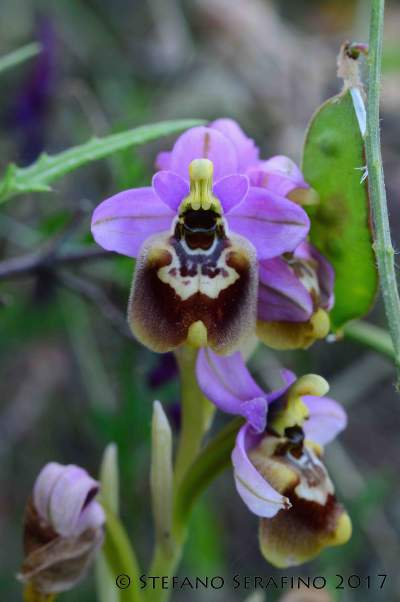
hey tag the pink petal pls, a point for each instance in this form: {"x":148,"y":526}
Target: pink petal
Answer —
{"x":226,"y":382}
{"x":203,"y":143}
{"x":278,"y":174}
{"x":68,"y":498}
{"x":231,"y":190}
{"x":171,"y":188}
{"x":123,"y":222}
{"x":281,"y":295}
{"x":258,"y":495}
{"x":327,"y":419}
{"x":163,"y":160}
{"x":246,"y":150}
{"x":273,"y":224}
{"x":43,"y":487}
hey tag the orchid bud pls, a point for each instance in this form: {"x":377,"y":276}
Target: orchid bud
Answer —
{"x":63,"y":530}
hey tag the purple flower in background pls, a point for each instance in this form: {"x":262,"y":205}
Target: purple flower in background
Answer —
{"x":165,"y":370}
{"x":30,"y":109}
{"x":199,"y":234}
{"x":277,"y":456}
{"x":63,"y":529}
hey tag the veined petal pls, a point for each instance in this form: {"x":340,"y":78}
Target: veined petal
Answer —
{"x":171,"y":188}
{"x":204,"y":143}
{"x":325,"y":273}
{"x":229,"y":385}
{"x":281,"y":295}
{"x":327,"y":419}
{"x":279,"y":174}
{"x":246,"y":150}
{"x":124,"y":221}
{"x":258,"y":495}
{"x":273,"y":224}
{"x":231,"y":190}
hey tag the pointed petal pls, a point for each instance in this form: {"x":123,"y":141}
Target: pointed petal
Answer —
{"x":281,"y":295}
{"x":278,"y":174}
{"x":231,"y":190}
{"x":171,"y":188}
{"x":246,"y":150}
{"x":255,"y":491}
{"x":327,"y":419}
{"x":204,"y":143}
{"x":123,"y":222}
{"x":273,"y":224}
{"x":228,"y":384}
{"x":325,"y":273}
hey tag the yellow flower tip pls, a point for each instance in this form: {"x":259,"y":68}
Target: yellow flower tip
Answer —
{"x":321,"y":324}
{"x":201,"y":169}
{"x":309,"y":384}
{"x":201,"y":196}
{"x":304,"y":196}
{"x":197,"y":335}
{"x":294,"y":414}
{"x":294,"y":335}
{"x":343,"y":530}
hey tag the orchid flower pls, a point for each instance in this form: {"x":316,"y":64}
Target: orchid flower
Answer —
{"x":63,"y":529}
{"x":277,"y":458}
{"x":200,"y":234}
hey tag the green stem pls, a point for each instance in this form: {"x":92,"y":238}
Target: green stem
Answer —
{"x":215,"y":457}
{"x":121,"y":558}
{"x":383,"y":244}
{"x":370,"y":336}
{"x":196,"y":412}
{"x":192,"y":469}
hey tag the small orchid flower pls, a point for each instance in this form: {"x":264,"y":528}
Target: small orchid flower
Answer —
{"x":63,"y":529}
{"x":294,"y":297}
{"x":199,"y":233}
{"x":277,"y":462}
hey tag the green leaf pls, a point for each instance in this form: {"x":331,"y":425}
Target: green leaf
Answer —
{"x":213,"y":459}
{"x":333,"y":164}
{"x":38,"y":176}
{"x":20,"y":55}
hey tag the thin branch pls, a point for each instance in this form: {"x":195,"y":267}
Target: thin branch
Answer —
{"x":370,"y":336}
{"x":30,"y":263}
{"x":383,"y":244}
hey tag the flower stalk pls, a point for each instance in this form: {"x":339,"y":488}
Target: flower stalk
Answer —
{"x":383,"y":245}
{"x":196,"y":412}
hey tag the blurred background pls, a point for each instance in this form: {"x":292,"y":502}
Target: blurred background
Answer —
{"x":72,"y":378}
